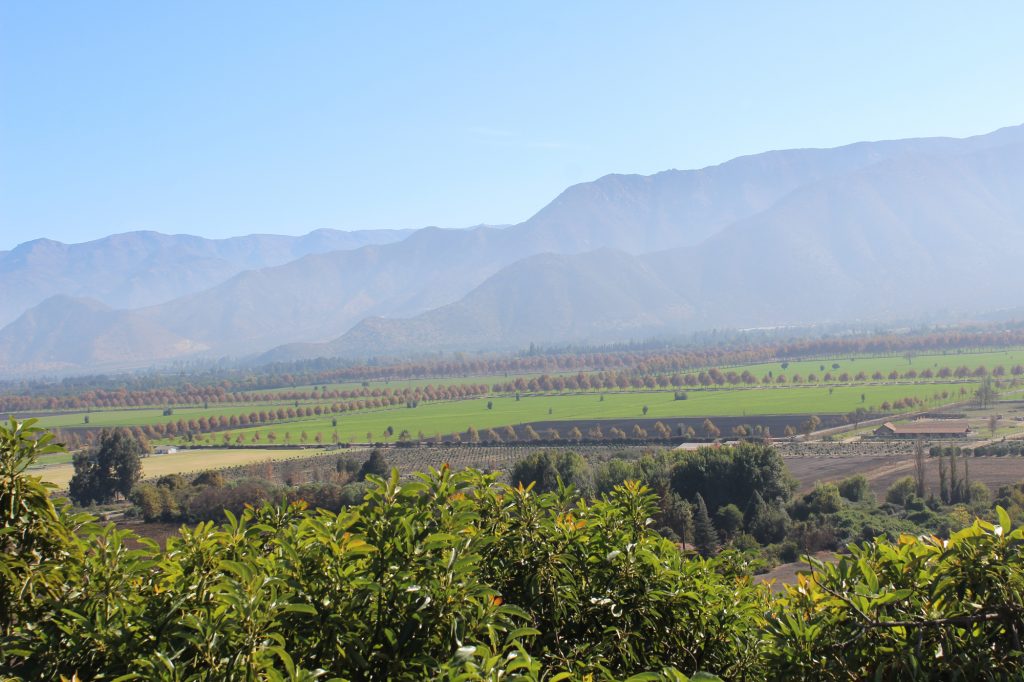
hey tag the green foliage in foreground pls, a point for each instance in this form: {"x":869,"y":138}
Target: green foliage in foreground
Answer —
{"x":454,"y":577}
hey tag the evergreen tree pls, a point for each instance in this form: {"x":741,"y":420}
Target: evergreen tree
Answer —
{"x":704,"y":535}
{"x":110,"y":470}
{"x":676,"y":515}
{"x":376,"y":465}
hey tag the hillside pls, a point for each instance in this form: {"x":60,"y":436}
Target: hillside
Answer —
{"x":137,"y":269}
{"x":65,"y":332}
{"x":909,"y":237}
{"x":592,"y":297}
{"x":874,"y":229}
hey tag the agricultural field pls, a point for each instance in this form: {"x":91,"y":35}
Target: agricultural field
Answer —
{"x":886,"y":364}
{"x":399,"y":384}
{"x":182,"y":462}
{"x":777,"y":405}
{"x":456,"y":416}
{"x":445,"y":417}
{"x":882,"y":470}
{"x":852,"y":364}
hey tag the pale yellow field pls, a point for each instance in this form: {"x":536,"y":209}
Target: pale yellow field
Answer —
{"x":184,"y":462}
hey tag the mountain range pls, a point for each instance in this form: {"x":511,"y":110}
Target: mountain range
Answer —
{"x":137,"y":269}
{"x":872,"y":231}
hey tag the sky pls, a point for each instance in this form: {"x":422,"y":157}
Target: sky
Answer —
{"x":227,"y":118}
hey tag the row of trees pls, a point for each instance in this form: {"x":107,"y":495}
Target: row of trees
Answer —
{"x":664,"y":360}
{"x":630,"y":379}
{"x":205,"y":396}
{"x":218,"y":386}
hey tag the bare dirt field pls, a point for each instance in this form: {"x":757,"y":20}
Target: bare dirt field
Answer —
{"x":882,"y":470}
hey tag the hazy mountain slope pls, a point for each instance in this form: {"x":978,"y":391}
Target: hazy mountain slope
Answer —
{"x":599,"y":295}
{"x":904,"y":238}
{"x":323,"y":295}
{"x":144,"y":268}
{"x":811,"y":205}
{"x":915,"y":235}
{"x":642,"y":214}
{"x":66,"y":332}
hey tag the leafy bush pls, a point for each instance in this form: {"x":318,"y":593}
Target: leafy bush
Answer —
{"x":923,"y":608}
{"x":732,"y":475}
{"x":545,"y":469}
{"x":451,"y":576}
{"x":901,"y":490}
{"x":855,"y":488}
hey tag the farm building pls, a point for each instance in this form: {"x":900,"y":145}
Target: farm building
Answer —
{"x":165,"y":450}
{"x":940,"y":428}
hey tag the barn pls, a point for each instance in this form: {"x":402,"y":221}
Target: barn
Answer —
{"x":939,"y":428}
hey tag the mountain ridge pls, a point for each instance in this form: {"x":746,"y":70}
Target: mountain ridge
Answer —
{"x":682,"y":213}
{"x":144,"y":267}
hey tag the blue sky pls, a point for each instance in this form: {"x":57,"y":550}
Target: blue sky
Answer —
{"x":225,"y":118}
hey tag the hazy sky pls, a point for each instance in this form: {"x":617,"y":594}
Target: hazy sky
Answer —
{"x":224,"y":118}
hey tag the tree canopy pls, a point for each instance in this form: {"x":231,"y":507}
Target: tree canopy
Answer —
{"x":109,"y":470}
{"x":453,"y":576}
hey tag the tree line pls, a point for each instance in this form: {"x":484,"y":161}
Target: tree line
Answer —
{"x":215,"y":385}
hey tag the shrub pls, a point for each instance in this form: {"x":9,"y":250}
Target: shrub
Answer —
{"x":452,"y":576}
{"x":901,"y":490}
{"x":855,"y":488}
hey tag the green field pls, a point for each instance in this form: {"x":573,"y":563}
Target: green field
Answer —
{"x":398,"y":384}
{"x":446,"y":417}
{"x":1007,"y":359}
{"x":852,"y":364}
{"x":143,"y":416}
{"x":735,"y":405}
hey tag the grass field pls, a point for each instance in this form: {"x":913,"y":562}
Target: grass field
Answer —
{"x":1007,"y":359}
{"x":446,"y":417}
{"x":189,"y":461}
{"x":155,"y":415}
{"x":397,"y":384}
{"x":853,"y":364}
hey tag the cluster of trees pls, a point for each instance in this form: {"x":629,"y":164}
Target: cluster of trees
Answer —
{"x":454,"y":577}
{"x":1002,"y":449}
{"x":742,"y":498}
{"x":109,"y":470}
{"x":209,"y":495}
